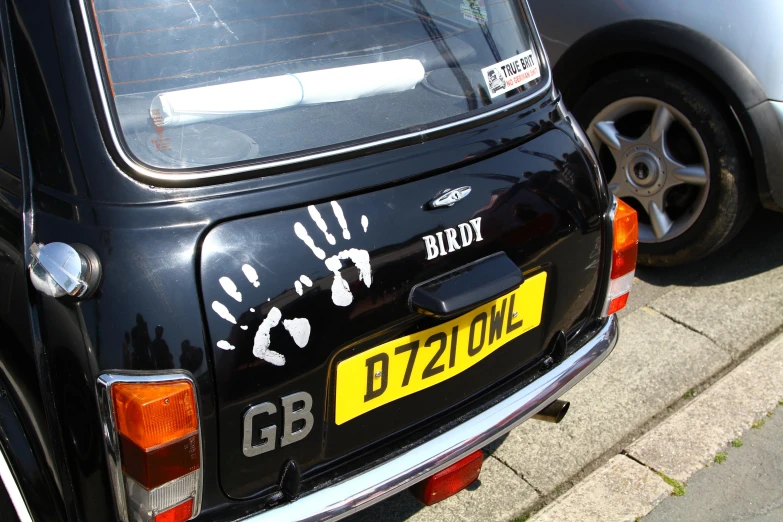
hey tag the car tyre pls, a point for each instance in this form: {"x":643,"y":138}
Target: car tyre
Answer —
{"x":691,"y":218}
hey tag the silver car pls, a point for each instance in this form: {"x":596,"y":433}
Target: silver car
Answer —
{"x":683,"y":101}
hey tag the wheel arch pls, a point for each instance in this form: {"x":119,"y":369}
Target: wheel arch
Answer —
{"x":25,"y":477}
{"x":700,"y":59}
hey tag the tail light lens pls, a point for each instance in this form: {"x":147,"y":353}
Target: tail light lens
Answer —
{"x":154,"y":445}
{"x":625,"y":245}
{"x":153,"y":414}
{"x":449,"y":481}
{"x":177,"y":513}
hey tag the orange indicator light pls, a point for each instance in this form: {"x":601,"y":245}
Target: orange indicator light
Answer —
{"x":151,"y":414}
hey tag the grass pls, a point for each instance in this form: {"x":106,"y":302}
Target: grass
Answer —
{"x":737,"y":443}
{"x":691,"y":394}
{"x":720,"y":457}
{"x":758,"y":424}
{"x":523,"y":518}
{"x":679,"y":487}
{"x":780,"y":403}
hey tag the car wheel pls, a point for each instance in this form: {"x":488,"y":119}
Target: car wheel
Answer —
{"x":669,"y":152}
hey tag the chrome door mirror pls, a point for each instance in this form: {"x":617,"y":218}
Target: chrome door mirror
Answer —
{"x":59,"y":269}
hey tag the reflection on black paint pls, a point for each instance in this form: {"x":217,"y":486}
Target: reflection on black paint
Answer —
{"x":47,"y":162}
{"x":559,"y":187}
{"x":141,"y":359}
{"x":161,"y":355}
{"x":191,"y":357}
{"x":140,"y":352}
{"x":126,"y":353}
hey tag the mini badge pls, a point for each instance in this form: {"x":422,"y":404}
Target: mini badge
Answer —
{"x":512,"y":73}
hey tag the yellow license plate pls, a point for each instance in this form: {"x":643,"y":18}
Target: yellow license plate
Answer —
{"x":413,"y":363}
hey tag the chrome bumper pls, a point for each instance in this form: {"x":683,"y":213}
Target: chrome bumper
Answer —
{"x":363,"y":490}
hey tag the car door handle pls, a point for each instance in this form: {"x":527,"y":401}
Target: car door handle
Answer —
{"x":466,"y":287}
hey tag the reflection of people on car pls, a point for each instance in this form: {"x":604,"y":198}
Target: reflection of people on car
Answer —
{"x":126,"y":354}
{"x":140,"y":341}
{"x":154,"y":354}
{"x":160,"y":351}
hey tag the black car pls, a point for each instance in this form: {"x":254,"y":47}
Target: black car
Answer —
{"x":279,"y":260}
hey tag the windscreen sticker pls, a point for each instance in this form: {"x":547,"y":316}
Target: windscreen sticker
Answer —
{"x":511,"y":74}
{"x":474,"y":11}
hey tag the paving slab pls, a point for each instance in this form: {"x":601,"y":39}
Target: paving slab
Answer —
{"x":641,"y":294}
{"x":690,"y":438}
{"x":745,"y":488}
{"x":498,"y":496}
{"x":655,"y":362}
{"x":736,"y":315}
{"x":651,"y":283}
{"x":620,"y":490}
{"x":737,"y":297}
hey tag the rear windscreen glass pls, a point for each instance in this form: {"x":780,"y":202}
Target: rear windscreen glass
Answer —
{"x":200,"y":83}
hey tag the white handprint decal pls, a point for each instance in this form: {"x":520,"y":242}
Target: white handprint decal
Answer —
{"x":299,"y":328}
{"x":341,"y":293}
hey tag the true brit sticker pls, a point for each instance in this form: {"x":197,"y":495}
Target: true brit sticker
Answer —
{"x":512,"y":73}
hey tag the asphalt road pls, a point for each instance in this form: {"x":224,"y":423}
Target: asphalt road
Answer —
{"x":746,"y":487}
{"x":681,"y":327}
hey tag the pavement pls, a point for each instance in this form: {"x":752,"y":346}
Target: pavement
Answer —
{"x":745,"y":487}
{"x":683,"y":329}
{"x":661,"y":463}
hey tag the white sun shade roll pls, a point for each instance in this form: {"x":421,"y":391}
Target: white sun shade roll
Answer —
{"x":267,"y":94}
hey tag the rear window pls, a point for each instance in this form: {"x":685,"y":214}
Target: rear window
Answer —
{"x":201,"y":83}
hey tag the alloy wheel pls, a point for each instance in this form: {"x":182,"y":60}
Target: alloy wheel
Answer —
{"x":646,"y":167}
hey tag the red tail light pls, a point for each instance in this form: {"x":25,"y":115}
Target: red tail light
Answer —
{"x":178,"y":513}
{"x":155,"y":451}
{"x":449,"y":481}
{"x":625,"y":245}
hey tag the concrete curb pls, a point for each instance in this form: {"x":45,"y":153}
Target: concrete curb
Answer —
{"x":630,"y":485}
